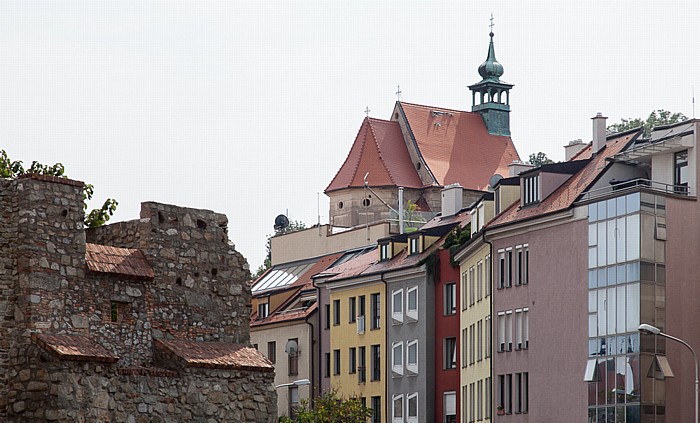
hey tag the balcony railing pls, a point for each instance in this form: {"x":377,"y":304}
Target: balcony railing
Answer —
{"x":633,"y":185}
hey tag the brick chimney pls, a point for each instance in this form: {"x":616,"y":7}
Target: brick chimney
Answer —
{"x":599,"y":132}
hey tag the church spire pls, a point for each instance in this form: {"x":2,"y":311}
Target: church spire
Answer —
{"x":491,"y":96}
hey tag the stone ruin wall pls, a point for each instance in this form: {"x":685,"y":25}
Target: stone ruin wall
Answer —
{"x":199,"y":293}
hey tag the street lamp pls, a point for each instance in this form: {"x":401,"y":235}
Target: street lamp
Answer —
{"x":656,"y":331}
{"x":300,"y":382}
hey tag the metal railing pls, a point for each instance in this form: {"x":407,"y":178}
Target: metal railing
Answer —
{"x":633,"y":185}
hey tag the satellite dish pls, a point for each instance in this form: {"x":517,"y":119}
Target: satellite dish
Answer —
{"x":292,"y":348}
{"x":494,"y":180}
{"x":281,"y":222}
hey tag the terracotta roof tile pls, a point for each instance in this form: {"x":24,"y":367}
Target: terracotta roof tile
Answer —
{"x":285,"y":316}
{"x":213,"y":355}
{"x":379,"y":149}
{"x":457,"y":147}
{"x":564,"y":196}
{"x":122,"y":261}
{"x":74,"y":348}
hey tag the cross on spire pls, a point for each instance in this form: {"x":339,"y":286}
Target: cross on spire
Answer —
{"x":398,"y":93}
{"x":367,"y":110}
{"x":492,"y":24}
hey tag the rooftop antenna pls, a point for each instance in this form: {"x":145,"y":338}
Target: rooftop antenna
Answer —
{"x":367,"y":110}
{"x":693,"y":101}
{"x":398,"y":93}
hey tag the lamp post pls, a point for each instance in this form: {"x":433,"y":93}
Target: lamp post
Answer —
{"x":300,"y":382}
{"x":656,"y":331}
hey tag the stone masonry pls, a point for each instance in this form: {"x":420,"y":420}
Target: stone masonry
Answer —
{"x":138,"y":321}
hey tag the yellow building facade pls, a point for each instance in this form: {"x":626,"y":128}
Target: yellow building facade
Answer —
{"x":357,"y":342}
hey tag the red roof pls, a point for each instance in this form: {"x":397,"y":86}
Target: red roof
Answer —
{"x":379,"y":149}
{"x":122,"y":261}
{"x":457,"y":147}
{"x":214,"y":355}
{"x":74,"y":348}
{"x":564,"y":196}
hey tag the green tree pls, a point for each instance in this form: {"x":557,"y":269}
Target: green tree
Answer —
{"x":656,"y":118}
{"x":294,"y":226}
{"x":330,"y":408}
{"x":96,"y":217}
{"x":539,"y":159}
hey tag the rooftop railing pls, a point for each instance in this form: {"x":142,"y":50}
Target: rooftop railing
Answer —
{"x":622,"y":187}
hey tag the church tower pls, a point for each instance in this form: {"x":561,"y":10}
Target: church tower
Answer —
{"x":491,"y":96}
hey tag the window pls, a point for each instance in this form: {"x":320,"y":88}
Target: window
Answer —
{"x":464,"y":290}
{"x":352,"y":360}
{"x":375,"y":311}
{"x":336,"y":362}
{"x":336,"y":312}
{"x":489,"y":335}
{"x":501,"y":269}
{"x":327,"y":369}
{"x":412,"y":303}
{"x":465,"y":347}
{"x":450,"y":353}
{"x":522,"y":265}
{"x":450,"y":298}
{"x":376,"y":409}
{"x":414,"y":245}
{"x":479,"y":341}
{"x":501,"y":331}
{"x":293,"y":357}
{"x":509,"y":330}
{"x":526,"y":328}
{"x":397,"y":409}
{"x":450,"y":407}
{"x":293,"y":401}
{"x":518,"y":329}
{"x":509,"y":393}
{"x":525,"y":389}
{"x":376,"y":363}
{"x":263,"y":310}
{"x":117,"y":311}
{"x":328,"y":316}
{"x":465,"y":404}
{"x":479,"y":400}
{"x":518,"y":397}
{"x":384,"y":252}
{"x":472,"y":398}
{"x":352,"y":309}
{"x":489,"y":397}
{"x":361,"y":314}
{"x":272,"y":351}
{"x":397,"y":358}
{"x":412,"y":408}
{"x":397,"y":306}
{"x":479,"y":280}
{"x":472,"y":344}
{"x":489,"y":272}
{"x":501,"y":398}
{"x":680,"y":178}
{"x":509,"y":267}
{"x":362,"y":368}
{"x":412,"y":357}
{"x":531,"y":190}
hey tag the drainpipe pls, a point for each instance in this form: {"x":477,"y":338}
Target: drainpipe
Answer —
{"x":313,"y":362}
{"x":318,"y":338}
{"x":386,"y":342}
{"x":483,"y":237}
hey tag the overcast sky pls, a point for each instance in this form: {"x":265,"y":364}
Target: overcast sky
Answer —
{"x":249,"y":108}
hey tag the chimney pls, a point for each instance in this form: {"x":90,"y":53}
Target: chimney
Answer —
{"x":518,"y":167}
{"x":451,"y":199}
{"x":599,"y":132}
{"x":573,"y":148}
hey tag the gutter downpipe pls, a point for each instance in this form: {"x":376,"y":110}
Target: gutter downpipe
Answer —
{"x":386,"y":342}
{"x":318,"y":339}
{"x":313,"y":367}
{"x":483,"y":237}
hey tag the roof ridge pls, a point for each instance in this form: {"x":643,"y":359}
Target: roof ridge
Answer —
{"x":379,"y":152}
{"x":435,"y":107}
{"x":348,"y":157}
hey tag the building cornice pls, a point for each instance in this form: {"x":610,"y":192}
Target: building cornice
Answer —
{"x":518,"y":228}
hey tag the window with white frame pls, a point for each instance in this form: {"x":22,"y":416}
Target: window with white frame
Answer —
{"x":472,"y":282}
{"x":526,"y":264}
{"x":397,"y":358}
{"x":518,"y":329}
{"x":531,"y":190}
{"x":479,"y":341}
{"x":263,"y":310}
{"x":509,"y":330}
{"x":501,"y":331}
{"x":412,"y":357}
{"x":450,"y":407}
{"x":397,"y":306}
{"x":414,"y":245}
{"x":450,"y":298}
{"x":522,"y":264}
{"x":465,"y":346}
{"x":517,"y":394}
{"x":472,"y":344}
{"x":488,"y":336}
{"x":397,"y":409}
{"x":526,"y":328}
{"x":412,"y":408}
{"x":384,"y":252}
{"x":501,"y":269}
{"x":488,"y":280}
{"x":463,"y":289}
{"x":509,"y":267}
{"x":412,"y":303}
{"x":479,"y":280}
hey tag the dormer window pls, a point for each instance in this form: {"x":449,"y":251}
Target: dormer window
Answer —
{"x":414,"y":245}
{"x":384,"y":252}
{"x":531,"y":190}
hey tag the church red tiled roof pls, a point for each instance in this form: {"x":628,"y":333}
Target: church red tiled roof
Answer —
{"x":379,"y":149}
{"x":457,"y":147}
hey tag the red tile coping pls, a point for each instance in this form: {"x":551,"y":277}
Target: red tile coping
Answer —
{"x":214,"y":355}
{"x":147,"y":371}
{"x":122,"y":261}
{"x":48,"y":178}
{"x":74,"y":348}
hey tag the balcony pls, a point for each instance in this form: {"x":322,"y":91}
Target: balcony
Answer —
{"x":624,"y":187}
